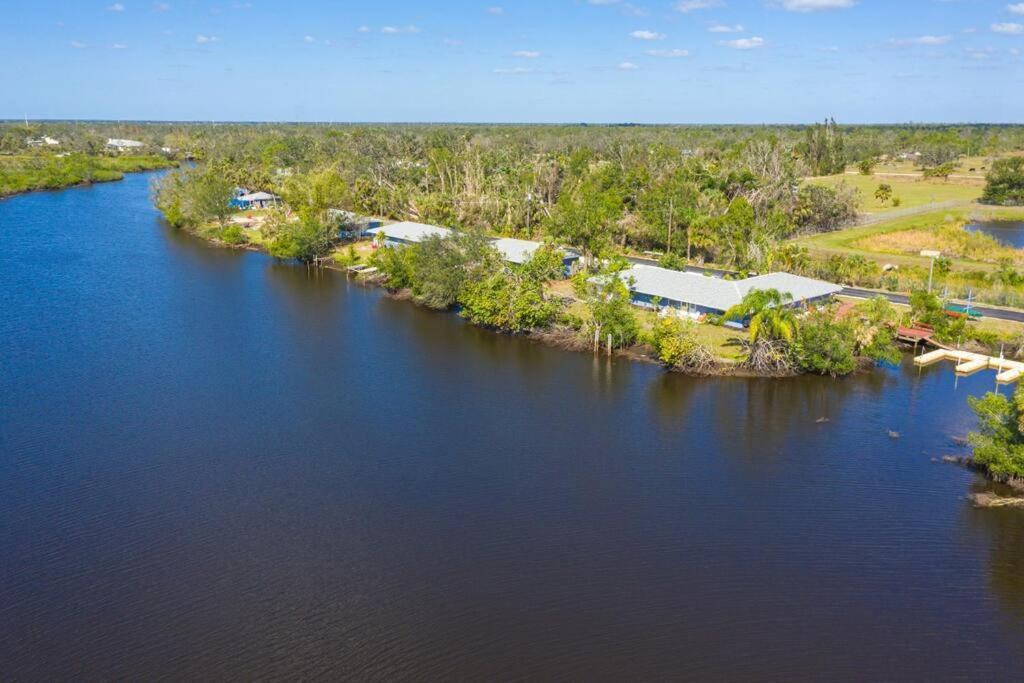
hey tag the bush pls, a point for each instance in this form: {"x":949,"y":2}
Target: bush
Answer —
{"x":233,"y":234}
{"x":999,"y":443}
{"x":825,"y":346}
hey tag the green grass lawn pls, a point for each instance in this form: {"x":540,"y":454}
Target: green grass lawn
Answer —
{"x":911,"y":191}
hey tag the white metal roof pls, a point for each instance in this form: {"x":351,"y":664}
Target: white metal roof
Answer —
{"x":716,"y":293}
{"x":257,"y":197}
{"x":407,"y":231}
{"x":121,"y":142}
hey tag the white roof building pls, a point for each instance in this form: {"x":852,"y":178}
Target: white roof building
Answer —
{"x":519,"y":251}
{"x":407,"y":232}
{"x":121,"y":143}
{"x":702,"y":293}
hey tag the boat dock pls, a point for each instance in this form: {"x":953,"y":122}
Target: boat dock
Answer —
{"x":967,"y":363}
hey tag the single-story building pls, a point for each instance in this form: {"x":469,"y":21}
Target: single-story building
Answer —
{"x":519,"y":251}
{"x":121,"y":144}
{"x":694,"y":294}
{"x":407,"y":232}
{"x":44,"y":141}
{"x":255,"y":200}
{"x":351,"y":224}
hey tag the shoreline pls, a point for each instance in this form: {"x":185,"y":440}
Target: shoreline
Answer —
{"x":85,"y":183}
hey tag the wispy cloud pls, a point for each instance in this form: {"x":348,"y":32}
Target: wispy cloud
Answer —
{"x":514,"y":71}
{"x":451,"y":42}
{"x":495,"y":10}
{"x":526,"y":54}
{"x":724,"y":28}
{"x":627,"y":66}
{"x":744,"y":43}
{"x":685,"y":6}
{"x":78,"y":45}
{"x":921,"y":40}
{"x":204,"y":39}
{"x":675,"y":52}
{"x":815,"y":5}
{"x":116,"y":7}
{"x":363,"y":29}
{"x":647,"y":35}
{"x":308,"y":39}
{"x":1009,"y":28}
{"x":161,"y":7}
{"x":118,"y":46}
{"x":392,"y":30}
{"x":1017,"y":8}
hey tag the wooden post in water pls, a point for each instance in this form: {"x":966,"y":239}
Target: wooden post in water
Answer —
{"x":609,"y":344}
{"x":597,"y":340}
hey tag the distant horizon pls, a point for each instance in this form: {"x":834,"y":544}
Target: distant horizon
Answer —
{"x":612,"y":124}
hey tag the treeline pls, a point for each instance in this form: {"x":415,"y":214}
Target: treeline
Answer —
{"x":37,"y":172}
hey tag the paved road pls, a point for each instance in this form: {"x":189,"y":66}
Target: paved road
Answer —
{"x":996,"y":313}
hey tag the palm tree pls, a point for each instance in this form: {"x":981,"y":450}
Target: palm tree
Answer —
{"x":767,"y":314}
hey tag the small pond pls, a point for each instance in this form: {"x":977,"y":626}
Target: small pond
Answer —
{"x":1010,"y":233}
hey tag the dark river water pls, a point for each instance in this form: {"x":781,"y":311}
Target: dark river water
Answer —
{"x":1010,"y":233}
{"x":216,"y":466}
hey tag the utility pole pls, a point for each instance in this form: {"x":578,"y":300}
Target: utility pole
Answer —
{"x":932,"y":254}
{"x":670,"y":226}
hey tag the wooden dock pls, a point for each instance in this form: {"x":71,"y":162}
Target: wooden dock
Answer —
{"x":967,"y":363}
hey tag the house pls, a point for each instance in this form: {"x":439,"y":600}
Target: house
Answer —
{"x":519,"y":251}
{"x":121,"y":145}
{"x":407,"y":232}
{"x":44,"y":141}
{"x":694,"y":294}
{"x":255,"y":200}
{"x":351,"y":224}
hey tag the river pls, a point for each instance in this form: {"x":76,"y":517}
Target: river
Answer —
{"x":1010,"y":233}
{"x":216,"y":466}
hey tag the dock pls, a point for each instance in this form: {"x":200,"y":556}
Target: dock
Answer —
{"x":967,"y":363}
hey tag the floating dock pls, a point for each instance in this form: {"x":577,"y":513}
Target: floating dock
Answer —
{"x":967,"y":363}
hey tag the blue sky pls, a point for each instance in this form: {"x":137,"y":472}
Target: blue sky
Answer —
{"x":671,"y":61}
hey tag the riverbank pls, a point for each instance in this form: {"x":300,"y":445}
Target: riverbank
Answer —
{"x":33,"y":173}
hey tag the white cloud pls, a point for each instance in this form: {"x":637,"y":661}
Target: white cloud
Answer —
{"x":1016,"y":9}
{"x":921,"y":40}
{"x":451,"y":42}
{"x":78,"y":45}
{"x":691,"y":5}
{"x":161,"y":7}
{"x":744,"y":43}
{"x":516,"y":70}
{"x":116,"y":7}
{"x":526,"y":54}
{"x":203,"y":40}
{"x":676,"y":52}
{"x":1009,"y":29}
{"x":363,"y":29}
{"x":118,"y":46}
{"x":647,"y":35}
{"x":392,"y":30}
{"x":308,"y":39}
{"x":627,"y":66}
{"x":815,"y":5}
{"x":495,"y":10}
{"x":603,"y":2}
{"x":722,"y":28}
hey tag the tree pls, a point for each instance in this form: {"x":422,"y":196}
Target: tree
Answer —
{"x":772,"y":327}
{"x":823,"y":209}
{"x":999,"y":442}
{"x":867,"y":165}
{"x":1004,"y":183}
{"x":608,"y":301}
{"x":941,"y":171}
{"x":586,"y":216}
{"x":512,"y":298}
{"x":883,"y":193}
{"x":767,"y":315}
{"x":825,"y":346}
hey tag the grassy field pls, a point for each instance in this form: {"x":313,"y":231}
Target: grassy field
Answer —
{"x":881,"y":242}
{"x":911,"y":191}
